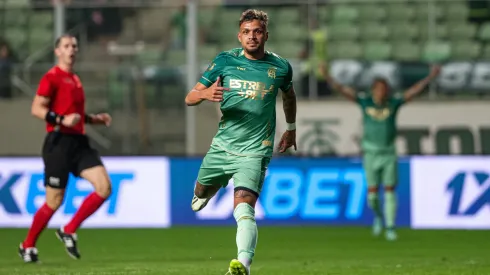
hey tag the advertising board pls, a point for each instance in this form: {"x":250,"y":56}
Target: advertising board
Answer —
{"x":296,"y":191}
{"x":450,"y":192}
{"x":425,"y":128}
{"x":140,"y":193}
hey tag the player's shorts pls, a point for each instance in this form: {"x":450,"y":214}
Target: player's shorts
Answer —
{"x":380,"y":168}
{"x":219,"y":166}
{"x":64,"y":154}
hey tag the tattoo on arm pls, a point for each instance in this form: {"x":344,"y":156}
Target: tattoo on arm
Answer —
{"x":289,"y":105}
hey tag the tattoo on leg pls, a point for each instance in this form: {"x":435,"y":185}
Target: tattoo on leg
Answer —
{"x":243,"y":194}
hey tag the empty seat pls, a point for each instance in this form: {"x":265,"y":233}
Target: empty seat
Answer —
{"x":465,"y":50}
{"x":377,"y":50}
{"x":406,"y":51}
{"x":436,"y":51}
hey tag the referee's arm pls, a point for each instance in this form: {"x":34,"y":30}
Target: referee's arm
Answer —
{"x":39,"y":106}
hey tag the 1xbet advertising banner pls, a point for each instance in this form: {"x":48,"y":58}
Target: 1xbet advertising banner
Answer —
{"x":295,"y":191}
{"x":140,"y":193}
{"x":450,"y":192}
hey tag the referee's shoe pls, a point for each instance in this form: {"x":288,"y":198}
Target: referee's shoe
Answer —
{"x":70,"y":241}
{"x":28,"y":255}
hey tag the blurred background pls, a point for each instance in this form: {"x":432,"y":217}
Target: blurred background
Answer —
{"x":138,"y":58}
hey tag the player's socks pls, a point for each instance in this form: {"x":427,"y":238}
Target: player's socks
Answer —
{"x":88,"y":207}
{"x":390,"y":234}
{"x":390,"y":208}
{"x":374,"y":204}
{"x":41,"y":219}
{"x":247,"y":233}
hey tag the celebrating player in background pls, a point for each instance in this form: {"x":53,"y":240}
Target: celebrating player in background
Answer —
{"x":379,"y":109}
{"x":245,"y":81}
{"x":60,"y":101}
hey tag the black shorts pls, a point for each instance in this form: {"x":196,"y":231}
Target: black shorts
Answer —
{"x":64,"y":154}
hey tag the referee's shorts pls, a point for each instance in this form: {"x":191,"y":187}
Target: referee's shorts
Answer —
{"x":64,"y":154}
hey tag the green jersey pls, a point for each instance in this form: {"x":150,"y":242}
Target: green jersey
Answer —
{"x":379,"y":122}
{"x":248,"y":124}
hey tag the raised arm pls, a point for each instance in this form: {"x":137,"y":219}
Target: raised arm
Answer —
{"x":346,"y":91}
{"x":418,"y":87}
{"x":200,"y":93}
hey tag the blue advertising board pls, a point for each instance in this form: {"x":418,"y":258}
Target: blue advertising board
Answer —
{"x":296,"y":191}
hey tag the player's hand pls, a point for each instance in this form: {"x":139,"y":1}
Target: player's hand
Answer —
{"x":435,"y":71}
{"x":215,"y":92}
{"x":288,"y":139}
{"x":71,"y":120}
{"x":103,"y":118}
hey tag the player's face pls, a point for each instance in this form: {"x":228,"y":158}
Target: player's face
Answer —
{"x":67,"y":50}
{"x":253,"y":36}
{"x":380,"y":90}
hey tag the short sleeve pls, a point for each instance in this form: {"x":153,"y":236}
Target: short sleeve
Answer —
{"x":288,"y":79}
{"x":46,"y":87}
{"x":361,"y":98}
{"x":214,"y":70}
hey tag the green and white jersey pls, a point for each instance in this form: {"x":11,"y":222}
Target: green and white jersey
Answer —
{"x":379,"y":123}
{"x":248,"y":124}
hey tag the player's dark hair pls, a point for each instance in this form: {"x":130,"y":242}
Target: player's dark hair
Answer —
{"x":251,"y":14}
{"x":58,"y":40}
{"x":382,"y":81}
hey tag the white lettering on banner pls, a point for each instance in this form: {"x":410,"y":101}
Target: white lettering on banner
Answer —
{"x":454,"y":76}
{"x":346,"y":71}
{"x":450,"y":192}
{"x":481,"y":76}
{"x":140,"y":194}
{"x":223,"y":208}
{"x":385,"y":70}
{"x":326,"y":127}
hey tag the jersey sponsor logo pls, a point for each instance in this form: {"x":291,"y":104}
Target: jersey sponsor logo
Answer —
{"x":241,"y":69}
{"x":271,"y":72}
{"x":22,"y":192}
{"x":251,"y":89}
{"x":458,"y":195}
{"x":378,"y":113}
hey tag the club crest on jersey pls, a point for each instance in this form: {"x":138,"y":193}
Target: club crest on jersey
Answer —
{"x":211,"y":66}
{"x":272,"y":72}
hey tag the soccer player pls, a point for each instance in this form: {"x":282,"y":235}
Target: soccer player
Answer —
{"x":379,"y":110}
{"x":60,"y":101}
{"x":245,"y":81}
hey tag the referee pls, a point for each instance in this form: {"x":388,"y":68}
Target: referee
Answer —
{"x":60,"y":101}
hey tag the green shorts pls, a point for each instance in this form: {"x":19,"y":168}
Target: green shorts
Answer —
{"x":219,"y":166}
{"x":380,"y":168}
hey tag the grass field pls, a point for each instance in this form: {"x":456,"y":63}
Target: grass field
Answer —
{"x":288,"y":251}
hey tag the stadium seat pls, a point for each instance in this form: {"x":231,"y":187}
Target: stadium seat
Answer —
{"x":436,"y":51}
{"x":345,"y":50}
{"x":370,"y":12}
{"x":428,"y":8}
{"x":465,"y":50}
{"x":344,"y":14}
{"x":485,"y":53}
{"x":40,"y":39}
{"x":150,"y":56}
{"x":176,"y":58}
{"x":461,"y":31}
{"x":343,"y":32}
{"x":406,"y":51}
{"x":431,"y":32}
{"x":41,"y":20}
{"x":290,"y":32}
{"x":377,"y":50}
{"x":456,"y":12}
{"x":16,"y":3}
{"x":400,"y":12}
{"x":290,"y":15}
{"x":404,"y":31}
{"x":484,"y":33}
{"x":374,"y":31}
{"x":289,"y":50}
{"x":16,"y":17}
{"x":206,"y":53}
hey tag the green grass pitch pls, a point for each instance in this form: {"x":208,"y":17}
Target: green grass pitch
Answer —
{"x":281,"y":251}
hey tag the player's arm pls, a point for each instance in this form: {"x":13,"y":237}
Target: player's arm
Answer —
{"x":200,"y":92}
{"x":346,"y":91}
{"x":289,"y":105}
{"x":418,"y":87}
{"x":209,"y":86}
